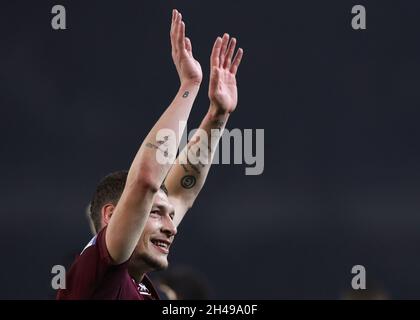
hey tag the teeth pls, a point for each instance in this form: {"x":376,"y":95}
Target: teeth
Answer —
{"x":161,"y":244}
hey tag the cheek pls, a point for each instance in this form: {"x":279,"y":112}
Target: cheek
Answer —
{"x":145,"y":237}
{"x":150,"y":228}
{"x":152,"y":225}
{"x":142,"y":244}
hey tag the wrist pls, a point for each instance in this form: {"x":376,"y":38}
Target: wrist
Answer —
{"x":189,"y":90}
{"x":216,"y":111}
{"x":190,"y":84}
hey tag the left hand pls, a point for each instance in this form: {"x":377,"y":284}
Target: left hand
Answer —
{"x":223,"y":92}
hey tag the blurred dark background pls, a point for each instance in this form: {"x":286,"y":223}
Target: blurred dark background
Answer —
{"x":340,"y":109}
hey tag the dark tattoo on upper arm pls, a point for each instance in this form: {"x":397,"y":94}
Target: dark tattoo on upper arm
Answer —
{"x":188,"y":182}
{"x":186,"y":94}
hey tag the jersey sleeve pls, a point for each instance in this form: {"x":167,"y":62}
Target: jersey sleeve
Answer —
{"x":89,"y":270}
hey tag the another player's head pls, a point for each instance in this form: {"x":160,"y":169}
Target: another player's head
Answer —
{"x":153,"y":247}
{"x":182,"y":283}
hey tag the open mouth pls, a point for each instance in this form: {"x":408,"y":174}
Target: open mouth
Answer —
{"x":161,"y":245}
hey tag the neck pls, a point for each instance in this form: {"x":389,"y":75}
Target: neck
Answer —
{"x":137,"y":270}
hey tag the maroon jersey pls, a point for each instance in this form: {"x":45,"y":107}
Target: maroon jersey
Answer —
{"x":93,"y":276}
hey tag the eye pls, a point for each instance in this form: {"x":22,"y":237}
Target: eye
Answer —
{"x":154,"y":212}
{"x":172,"y":216}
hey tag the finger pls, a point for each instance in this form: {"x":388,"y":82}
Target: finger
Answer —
{"x":177,"y":28}
{"x":229,"y":54}
{"x":214,"y":60}
{"x":225,"y":42}
{"x":237,"y":61}
{"x":176,"y":31}
{"x":174,"y":12}
{"x":181,"y":36}
{"x":188,"y":45}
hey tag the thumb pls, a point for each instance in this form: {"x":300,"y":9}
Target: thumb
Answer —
{"x":188,"y":45}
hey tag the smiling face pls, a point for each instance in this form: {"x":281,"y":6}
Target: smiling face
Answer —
{"x":153,"y":247}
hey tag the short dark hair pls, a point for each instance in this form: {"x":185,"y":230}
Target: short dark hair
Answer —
{"x":109,"y":190}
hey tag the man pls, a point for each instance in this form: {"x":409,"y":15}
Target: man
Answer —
{"x":140,"y":215}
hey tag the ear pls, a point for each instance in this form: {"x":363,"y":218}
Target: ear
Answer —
{"x":106,"y":213}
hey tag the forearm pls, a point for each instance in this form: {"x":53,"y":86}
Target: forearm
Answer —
{"x":158,"y":150}
{"x":187,"y":176}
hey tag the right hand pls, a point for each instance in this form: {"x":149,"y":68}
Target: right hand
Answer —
{"x":189,"y":69}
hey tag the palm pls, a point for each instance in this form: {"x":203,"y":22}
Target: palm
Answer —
{"x":223,"y":92}
{"x":188,"y":67}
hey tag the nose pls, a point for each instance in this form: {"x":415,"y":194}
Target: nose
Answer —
{"x":168,"y":227}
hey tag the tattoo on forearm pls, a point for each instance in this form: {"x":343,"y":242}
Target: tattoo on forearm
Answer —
{"x":197,"y":153}
{"x":184,"y":167}
{"x":188,"y":182}
{"x":219,"y":124}
{"x":165,"y":139}
{"x":193,"y":166}
{"x":186,"y":94}
{"x":151,"y":146}
{"x":157,"y":147}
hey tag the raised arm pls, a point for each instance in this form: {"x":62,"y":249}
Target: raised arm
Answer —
{"x":187,"y":176}
{"x":146,"y":173}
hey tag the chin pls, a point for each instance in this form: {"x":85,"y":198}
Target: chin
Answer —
{"x":163,"y":266}
{"x":155,"y":263}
